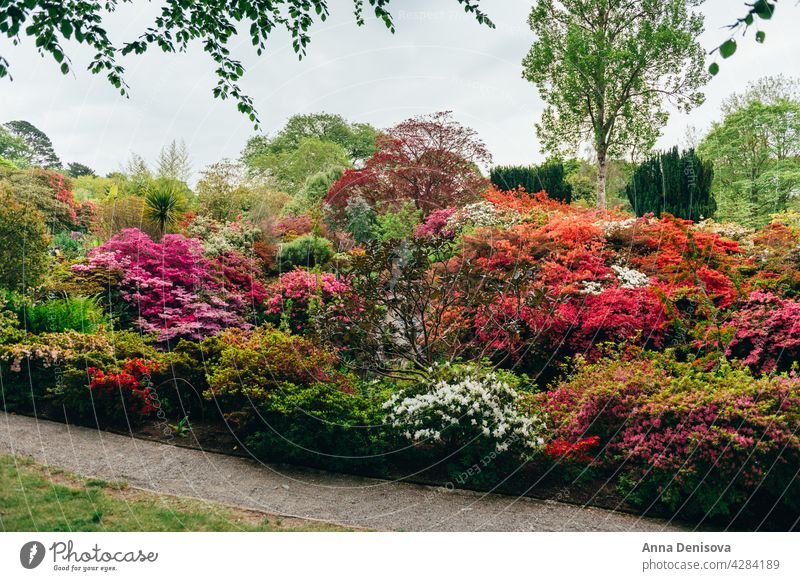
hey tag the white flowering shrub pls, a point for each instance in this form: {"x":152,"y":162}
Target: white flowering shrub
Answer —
{"x":474,"y":410}
{"x":480,"y":214}
{"x":630,"y":278}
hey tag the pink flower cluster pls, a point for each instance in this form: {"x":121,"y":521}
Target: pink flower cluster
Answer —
{"x":173,"y":289}
{"x":298,"y":291}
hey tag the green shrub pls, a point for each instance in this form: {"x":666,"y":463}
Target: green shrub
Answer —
{"x":308,"y":251}
{"x":548,"y":177}
{"x":83,"y":314}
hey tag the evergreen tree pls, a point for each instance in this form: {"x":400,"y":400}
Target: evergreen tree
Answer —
{"x":673,"y":182}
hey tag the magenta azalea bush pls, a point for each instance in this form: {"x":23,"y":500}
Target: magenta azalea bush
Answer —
{"x":172,"y":289}
{"x":695,"y":441}
{"x":300,"y":294}
{"x":766,"y":332}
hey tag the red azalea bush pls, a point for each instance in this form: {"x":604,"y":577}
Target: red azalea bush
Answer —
{"x":701,"y":442}
{"x":173,"y":288}
{"x":125,"y":391}
{"x":300,"y":294}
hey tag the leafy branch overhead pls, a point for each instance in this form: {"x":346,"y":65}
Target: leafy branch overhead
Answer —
{"x":760,"y":9}
{"x":213,"y":23}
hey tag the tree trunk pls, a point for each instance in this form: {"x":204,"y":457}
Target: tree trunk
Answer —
{"x":602,"y":168}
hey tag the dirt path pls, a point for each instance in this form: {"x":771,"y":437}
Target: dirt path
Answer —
{"x":347,"y":500}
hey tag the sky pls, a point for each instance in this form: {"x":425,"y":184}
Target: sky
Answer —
{"x":439,"y":59}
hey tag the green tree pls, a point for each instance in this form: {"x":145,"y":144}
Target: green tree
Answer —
{"x":164,"y":202}
{"x":548,"y":177}
{"x":76,"y":170}
{"x":223,"y":192}
{"x":357,"y":139}
{"x":24,"y":252}
{"x":174,"y":163}
{"x":756,"y":155}
{"x":290,"y":168}
{"x":50,"y":24}
{"x":678,"y":183}
{"x":37,"y":143}
{"x":605,"y":69}
{"x":13,"y":148}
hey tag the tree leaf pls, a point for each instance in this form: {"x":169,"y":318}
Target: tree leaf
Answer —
{"x":760,"y":36}
{"x":728,"y":48}
{"x":713,"y":69}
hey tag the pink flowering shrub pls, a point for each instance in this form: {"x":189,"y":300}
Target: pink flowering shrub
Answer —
{"x":173,"y":289}
{"x":766,"y":333}
{"x":706,"y":443}
{"x":299,"y":295}
{"x":437,"y":224}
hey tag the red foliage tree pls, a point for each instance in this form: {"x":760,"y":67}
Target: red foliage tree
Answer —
{"x":431,"y":160}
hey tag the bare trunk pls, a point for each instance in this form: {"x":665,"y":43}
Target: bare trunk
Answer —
{"x":602,"y":163}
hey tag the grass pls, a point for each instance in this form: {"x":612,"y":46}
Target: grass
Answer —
{"x":38,"y":498}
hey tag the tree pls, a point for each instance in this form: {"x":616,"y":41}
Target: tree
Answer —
{"x":431,"y":160}
{"x":24,"y":251}
{"x":675,"y":183}
{"x":13,"y":148}
{"x":164,"y":202}
{"x":357,"y":139}
{"x":548,"y":177}
{"x":38,"y":145}
{"x":222,"y":191}
{"x":174,"y":163}
{"x":290,"y":168}
{"x":50,"y":24}
{"x":76,"y":170}
{"x":756,"y":155}
{"x":605,"y":69}
{"x":138,"y":174}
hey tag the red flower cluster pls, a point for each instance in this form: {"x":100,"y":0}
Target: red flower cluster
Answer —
{"x":564,"y":450}
{"x":128,"y":386}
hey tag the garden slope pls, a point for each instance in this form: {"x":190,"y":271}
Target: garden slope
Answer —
{"x":348,"y":500}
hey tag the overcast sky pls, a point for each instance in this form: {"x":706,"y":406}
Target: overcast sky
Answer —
{"x":439,"y":59}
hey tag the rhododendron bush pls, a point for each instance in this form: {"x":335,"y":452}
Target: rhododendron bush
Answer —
{"x":172,"y":289}
{"x":703,"y":442}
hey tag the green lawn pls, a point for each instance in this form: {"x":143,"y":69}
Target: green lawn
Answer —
{"x":37,"y":498}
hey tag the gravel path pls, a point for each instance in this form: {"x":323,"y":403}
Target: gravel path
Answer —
{"x":346,"y":500}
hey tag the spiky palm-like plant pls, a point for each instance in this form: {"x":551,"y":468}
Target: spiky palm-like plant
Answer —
{"x":164,"y":202}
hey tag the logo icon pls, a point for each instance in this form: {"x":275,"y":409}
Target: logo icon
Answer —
{"x":31,"y":554}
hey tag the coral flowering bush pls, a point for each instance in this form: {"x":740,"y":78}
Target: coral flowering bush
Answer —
{"x":173,"y":289}
{"x":705,"y":443}
{"x":125,"y":391}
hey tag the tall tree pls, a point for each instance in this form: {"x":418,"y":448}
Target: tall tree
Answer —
{"x":40,"y":148}
{"x":605,"y":68}
{"x":76,"y":170}
{"x":357,"y":139}
{"x":50,"y":24}
{"x":430,"y":160}
{"x":756,"y":155}
{"x":174,"y":163}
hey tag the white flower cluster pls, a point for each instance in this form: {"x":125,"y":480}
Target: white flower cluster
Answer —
{"x":610,"y":226}
{"x":470,"y":408}
{"x":481,"y":214}
{"x":592,"y":287}
{"x":630,"y":278}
